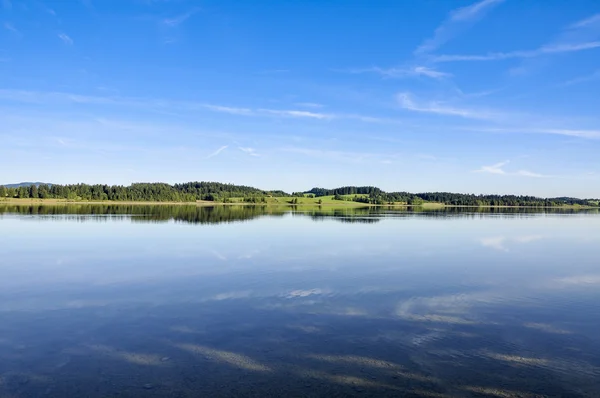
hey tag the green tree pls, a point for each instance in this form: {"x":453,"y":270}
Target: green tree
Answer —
{"x":33,"y":192}
{"x":3,"y":191}
{"x":23,"y":192}
{"x":43,"y":191}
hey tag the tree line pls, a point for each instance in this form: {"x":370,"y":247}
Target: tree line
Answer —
{"x":458,"y":199}
{"x":219,"y":192}
{"x":155,"y":192}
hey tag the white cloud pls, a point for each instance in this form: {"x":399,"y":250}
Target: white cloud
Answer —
{"x":526,"y":173}
{"x":580,"y":36}
{"x":589,"y":134}
{"x":457,"y":21}
{"x":178,"y":20}
{"x":407,"y":102}
{"x":494,"y":169}
{"x":65,"y":38}
{"x":548,"y":49}
{"x":584,"y":23}
{"x":217,"y":152}
{"x":498,"y":168}
{"x":582,"y":79}
{"x":227,"y":109}
{"x":571,"y":132}
{"x":249,"y":151}
{"x":473,"y":11}
{"x":295,"y":113}
{"x":415,"y":71}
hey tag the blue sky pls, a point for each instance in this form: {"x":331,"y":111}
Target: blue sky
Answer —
{"x":495,"y":96}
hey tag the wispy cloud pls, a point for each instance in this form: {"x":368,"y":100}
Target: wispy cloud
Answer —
{"x":582,"y":79}
{"x":296,"y":113}
{"x":407,"y":102}
{"x":178,"y":20}
{"x":230,"y":110}
{"x":580,"y":36}
{"x":498,"y":168}
{"x":549,"y":49}
{"x":526,"y":173}
{"x":415,"y":71}
{"x":249,"y":151}
{"x":570,"y":132}
{"x":10,"y":27}
{"x":39,"y":97}
{"x":584,"y":23}
{"x":590,"y":134}
{"x":65,"y":38}
{"x":458,"y":20}
{"x":494,"y":169}
{"x":217,"y":152}
{"x":341,"y":156}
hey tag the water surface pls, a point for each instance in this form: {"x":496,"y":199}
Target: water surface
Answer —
{"x":182,"y":301}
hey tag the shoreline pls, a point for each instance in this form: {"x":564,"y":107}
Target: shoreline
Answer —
{"x":341,"y":204}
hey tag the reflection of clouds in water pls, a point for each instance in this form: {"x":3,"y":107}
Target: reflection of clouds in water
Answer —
{"x":579,"y":280}
{"x":499,"y":393}
{"x":136,"y":358}
{"x":305,"y":293}
{"x":355,"y":360}
{"x":516,"y":359}
{"x":226,"y":357}
{"x":455,"y":304}
{"x":494,"y":243}
{"x":457,"y":309}
{"x":545,"y":327}
{"x":561,"y":366}
{"x":528,"y":238}
{"x":219,"y":255}
{"x":249,"y":255}
{"x":231,"y":295}
{"x":500,"y":242}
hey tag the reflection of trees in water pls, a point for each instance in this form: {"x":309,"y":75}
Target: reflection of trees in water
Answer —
{"x":222,"y":214}
{"x":365,"y":215}
{"x":162,"y":213}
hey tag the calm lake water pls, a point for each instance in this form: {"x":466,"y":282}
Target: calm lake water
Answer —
{"x":126,"y":301}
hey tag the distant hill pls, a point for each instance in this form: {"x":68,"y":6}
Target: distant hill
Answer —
{"x":25,"y":184}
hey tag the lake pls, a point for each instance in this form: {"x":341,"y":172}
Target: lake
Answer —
{"x":185,"y":301}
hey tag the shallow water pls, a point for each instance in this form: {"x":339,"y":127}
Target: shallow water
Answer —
{"x":179,"y":301}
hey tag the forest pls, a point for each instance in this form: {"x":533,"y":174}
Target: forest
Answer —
{"x":227,"y":193}
{"x":142,"y":192}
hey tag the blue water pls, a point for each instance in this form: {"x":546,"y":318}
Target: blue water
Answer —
{"x":188,"y":302}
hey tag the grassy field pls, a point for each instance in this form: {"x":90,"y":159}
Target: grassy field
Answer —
{"x":321,"y":201}
{"x":303,"y":202}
